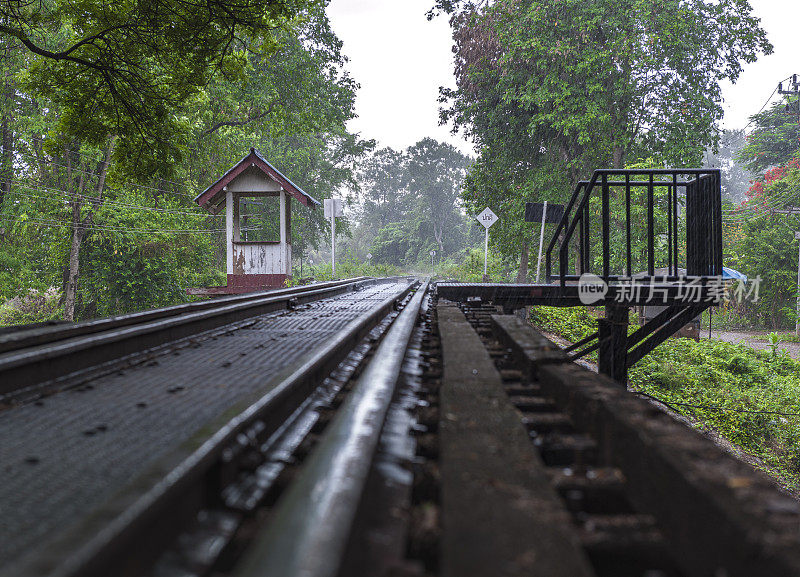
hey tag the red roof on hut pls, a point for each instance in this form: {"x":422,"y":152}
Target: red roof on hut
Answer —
{"x":214,"y":196}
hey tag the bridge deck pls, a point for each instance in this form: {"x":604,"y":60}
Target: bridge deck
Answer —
{"x":515,"y":296}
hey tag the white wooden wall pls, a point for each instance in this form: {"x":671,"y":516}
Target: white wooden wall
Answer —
{"x":255,"y":258}
{"x":262,"y":258}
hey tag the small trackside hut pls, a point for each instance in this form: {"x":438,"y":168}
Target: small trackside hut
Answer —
{"x":257,"y":200}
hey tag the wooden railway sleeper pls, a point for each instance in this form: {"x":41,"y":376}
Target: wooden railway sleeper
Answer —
{"x":619,"y":541}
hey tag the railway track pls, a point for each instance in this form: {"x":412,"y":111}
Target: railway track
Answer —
{"x":48,"y":352}
{"x":372,"y":429}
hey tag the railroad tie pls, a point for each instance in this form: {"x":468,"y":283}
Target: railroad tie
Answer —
{"x":500,"y":514}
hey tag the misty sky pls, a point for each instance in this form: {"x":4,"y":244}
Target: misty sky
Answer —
{"x":400,"y":59}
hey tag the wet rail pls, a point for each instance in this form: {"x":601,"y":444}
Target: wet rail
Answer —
{"x":31,"y":356}
{"x":377,"y":430}
{"x":158,"y":436}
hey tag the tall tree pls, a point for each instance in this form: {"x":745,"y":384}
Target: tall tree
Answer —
{"x":135,"y":240}
{"x":125,"y":67}
{"x":434,"y":174}
{"x":735,"y":177}
{"x":570,"y":85}
{"x":410,"y":203}
{"x":83,"y":212}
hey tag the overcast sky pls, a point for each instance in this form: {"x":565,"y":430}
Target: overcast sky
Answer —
{"x":400,"y":59}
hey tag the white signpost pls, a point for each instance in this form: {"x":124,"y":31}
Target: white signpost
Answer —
{"x":487,"y":218}
{"x":541,"y":241}
{"x":333,"y":209}
{"x":433,"y":254}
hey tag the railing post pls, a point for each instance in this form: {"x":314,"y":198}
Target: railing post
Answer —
{"x":612,"y":357}
{"x":588,"y":247}
{"x":629,"y":264}
{"x":650,"y":230}
{"x":669,"y":231}
{"x":606,"y":234}
{"x":674,"y":217}
{"x":717,"y":200}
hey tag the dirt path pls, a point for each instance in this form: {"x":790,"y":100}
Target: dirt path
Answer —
{"x":751,"y":338}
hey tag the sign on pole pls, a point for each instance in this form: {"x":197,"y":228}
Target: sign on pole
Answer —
{"x":487,"y":218}
{"x":333,"y":209}
{"x":535,"y":210}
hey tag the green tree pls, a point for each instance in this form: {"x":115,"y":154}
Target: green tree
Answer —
{"x":142,"y":239}
{"x":762,"y":244}
{"x":434,"y":173}
{"x":775,"y":138}
{"x":735,"y":177}
{"x":410,"y":203}
{"x":550,"y":89}
{"x":127,"y":67}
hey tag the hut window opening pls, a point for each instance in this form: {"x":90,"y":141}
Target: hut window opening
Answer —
{"x":259,"y":219}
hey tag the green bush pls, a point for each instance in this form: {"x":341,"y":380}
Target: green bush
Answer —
{"x":34,"y":307}
{"x":572,"y":323}
{"x":468,"y":267}
{"x":350,"y":266}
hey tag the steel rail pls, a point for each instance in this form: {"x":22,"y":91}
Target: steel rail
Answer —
{"x":309,"y":530}
{"x":124,"y":527}
{"x":27,"y":367}
{"x":13,"y":338}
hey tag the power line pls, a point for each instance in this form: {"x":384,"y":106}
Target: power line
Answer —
{"x":126,"y":183}
{"x":68,"y":224}
{"x":69,"y":196}
{"x":180,"y":184}
{"x":763,"y":106}
{"x":78,"y":153}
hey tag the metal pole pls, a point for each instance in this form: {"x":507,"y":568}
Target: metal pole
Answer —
{"x":486,"y":253}
{"x":541,"y":241}
{"x":333,"y":243}
{"x":710,"y":310}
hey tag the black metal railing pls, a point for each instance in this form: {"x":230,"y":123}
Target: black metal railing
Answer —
{"x":648,"y":203}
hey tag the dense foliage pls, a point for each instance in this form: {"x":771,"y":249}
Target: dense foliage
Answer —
{"x":127,"y":67}
{"x":98,"y":167}
{"x":550,"y":89}
{"x":758,"y":240}
{"x":410,"y":206}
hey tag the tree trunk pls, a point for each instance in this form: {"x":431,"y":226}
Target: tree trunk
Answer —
{"x":78,"y":232}
{"x":522,"y":275}
{"x":618,"y":155}
{"x":438,"y":233}
{"x":7,"y":160}
{"x":80,"y":227}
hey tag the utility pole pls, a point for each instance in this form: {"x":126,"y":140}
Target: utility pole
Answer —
{"x":793,"y":91}
{"x":797,"y":306}
{"x":541,"y":241}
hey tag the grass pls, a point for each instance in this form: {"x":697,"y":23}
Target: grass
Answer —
{"x":750,"y":397}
